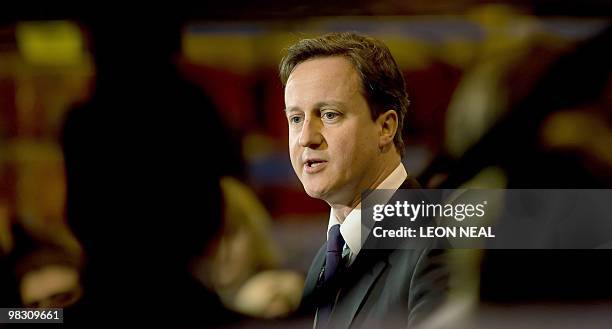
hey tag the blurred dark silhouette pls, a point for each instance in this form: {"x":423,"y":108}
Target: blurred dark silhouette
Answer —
{"x":9,"y":295}
{"x":517,"y":143}
{"x":143,"y":159}
{"x":556,"y":137}
{"x":553,"y":136}
{"x":46,"y":274}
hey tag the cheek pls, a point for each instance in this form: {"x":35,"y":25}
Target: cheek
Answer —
{"x":295,"y":164}
{"x":294,"y":155}
{"x":345,"y":153}
{"x":357,"y":150}
{"x":349,"y":146}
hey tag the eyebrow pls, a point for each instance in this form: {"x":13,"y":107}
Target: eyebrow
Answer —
{"x":317,"y":106}
{"x":291,"y":109}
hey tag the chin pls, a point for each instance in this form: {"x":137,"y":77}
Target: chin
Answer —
{"x":314,"y":193}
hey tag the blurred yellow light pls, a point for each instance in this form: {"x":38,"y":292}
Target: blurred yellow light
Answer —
{"x":234,"y":51}
{"x":50,"y":43}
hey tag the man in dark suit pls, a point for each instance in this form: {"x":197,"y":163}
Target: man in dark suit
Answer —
{"x":345,"y":104}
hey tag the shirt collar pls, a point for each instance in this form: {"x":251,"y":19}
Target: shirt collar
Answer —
{"x":351,"y":227}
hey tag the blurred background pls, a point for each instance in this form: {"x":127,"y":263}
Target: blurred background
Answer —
{"x":148,"y":151}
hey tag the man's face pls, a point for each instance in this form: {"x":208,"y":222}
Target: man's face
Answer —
{"x":333,"y":141}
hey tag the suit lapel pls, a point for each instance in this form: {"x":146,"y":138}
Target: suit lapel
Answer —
{"x":368,"y":266}
{"x":312,"y":277}
{"x":366,"y":269}
{"x":364,"y":272}
{"x":409,"y":183}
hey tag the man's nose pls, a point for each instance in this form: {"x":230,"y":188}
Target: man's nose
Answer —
{"x":311,"y":134}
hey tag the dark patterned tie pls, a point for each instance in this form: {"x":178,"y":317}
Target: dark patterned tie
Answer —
{"x":333,"y":265}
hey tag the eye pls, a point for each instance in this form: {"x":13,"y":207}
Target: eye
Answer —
{"x":295,"y":119}
{"x":329,"y":116}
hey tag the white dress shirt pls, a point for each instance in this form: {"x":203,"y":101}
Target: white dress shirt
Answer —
{"x":351,"y":228}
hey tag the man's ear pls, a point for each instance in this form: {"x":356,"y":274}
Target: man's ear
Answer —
{"x":387,"y":123}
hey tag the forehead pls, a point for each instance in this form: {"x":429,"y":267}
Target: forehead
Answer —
{"x":324,"y":77}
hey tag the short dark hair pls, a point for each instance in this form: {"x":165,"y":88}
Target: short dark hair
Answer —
{"x":382,"y":81}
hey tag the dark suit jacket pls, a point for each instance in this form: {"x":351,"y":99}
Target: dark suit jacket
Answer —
{"x":384,"y":288}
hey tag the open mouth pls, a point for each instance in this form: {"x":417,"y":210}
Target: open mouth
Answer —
{"x":314,"y":166}
{"x":314,"y":163}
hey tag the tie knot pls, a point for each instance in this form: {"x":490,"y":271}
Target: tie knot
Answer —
{"x":335,"y":242}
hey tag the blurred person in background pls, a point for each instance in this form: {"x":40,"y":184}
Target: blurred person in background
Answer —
{"x":243,"y":265}
{"x":502,"y":71}
{"x":564,"y":143}
{"x":499,"y":112}
{"x":144,"y":157}
{"x":165,"y":185}
{"x":133,"y":163}
{"x":47,"y":274}
{"x":345,"y":104}
{"x":41,"y":255}
{"x":556,"y":135}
